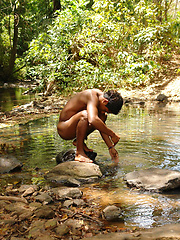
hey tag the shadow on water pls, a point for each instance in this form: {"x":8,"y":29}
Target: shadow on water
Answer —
{"x":149,"y":138}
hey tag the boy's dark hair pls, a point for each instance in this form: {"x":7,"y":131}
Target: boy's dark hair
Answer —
{"x":115,"y":101}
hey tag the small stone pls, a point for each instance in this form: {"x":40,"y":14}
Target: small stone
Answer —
{"x":44,"y":197}
{"x":74,"y":202}
{"x":67,"y":193}
{"x":36,"y":228}
{"x":153,"y":179}
{"x":68,"y":203}
{"x":161,"y":97}
{"x":79,"y":202}
{"x":28,"y":191}
{"x":44,"y":212}
{"x":74,"y":225}
{"x":9,"y":163}
{"x":50,"y":224}
{"x":25,"y":215}
{"x":62,"y":230}
{"x":111,"y":213}
{"x":24,"y":187}
{"x":35,"y":205}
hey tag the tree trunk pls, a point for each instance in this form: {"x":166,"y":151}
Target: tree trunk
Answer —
{"x":57,"y":5}
{"x":14,"y":47}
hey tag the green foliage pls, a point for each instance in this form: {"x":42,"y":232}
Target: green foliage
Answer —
{"x":100,"y":43}
{"x":30,"y":17}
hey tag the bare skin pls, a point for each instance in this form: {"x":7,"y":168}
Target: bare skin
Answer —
{"x":82,"y":114}
{"x":85,"y":147}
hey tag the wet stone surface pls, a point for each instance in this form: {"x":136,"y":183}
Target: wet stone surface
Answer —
{"x":74,"y":172}
{"x":154,"y":179}
{"x":9,"y":163}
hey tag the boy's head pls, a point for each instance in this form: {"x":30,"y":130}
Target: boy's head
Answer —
{"x":115,"y":101}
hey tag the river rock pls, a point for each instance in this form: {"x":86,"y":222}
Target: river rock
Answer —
{"x":67,"y":193}
{"x":9,"y":163}
{"x":44,"y":212}
{"x":69,"y":155}
{"x":44,"y":198}
{"x":112,"y":213}
{"x":153,"y":179}
{"x":74,"y":171}
{"x":62,"y":229}
{"x":25,"y":187}
{"x":74,"y":202}
{"x":65,"y":156}
{"x":75,"y":226}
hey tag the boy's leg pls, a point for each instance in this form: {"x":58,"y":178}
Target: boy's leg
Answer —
{"x":89,"y":131}
{"x":77,"y":127}
{"x":81,"y":132}
{"x":67,"y":129}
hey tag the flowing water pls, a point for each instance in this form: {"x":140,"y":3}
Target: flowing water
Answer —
{"x":150,"y":137}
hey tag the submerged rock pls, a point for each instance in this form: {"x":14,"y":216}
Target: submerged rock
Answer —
{"x":75,"y":173}
{"x":154,"y":179}
{"x":9,"y":163}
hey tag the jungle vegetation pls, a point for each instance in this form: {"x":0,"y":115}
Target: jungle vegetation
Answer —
{"x":68,"y":45}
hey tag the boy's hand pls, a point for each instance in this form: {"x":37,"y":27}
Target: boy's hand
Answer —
{"x":115,"y":139}
{"x":114,"y":155}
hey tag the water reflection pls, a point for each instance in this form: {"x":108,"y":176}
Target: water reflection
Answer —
{"x":10,"y":97}
{"x":148,"y":139}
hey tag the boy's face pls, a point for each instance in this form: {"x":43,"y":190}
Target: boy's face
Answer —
{"x":102,"y":106}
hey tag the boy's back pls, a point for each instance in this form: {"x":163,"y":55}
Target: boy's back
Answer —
{"x":79,"y":103}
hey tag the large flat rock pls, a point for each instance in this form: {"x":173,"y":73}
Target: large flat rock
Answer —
{"x":153,"y":179}
{"x":70,"y":172}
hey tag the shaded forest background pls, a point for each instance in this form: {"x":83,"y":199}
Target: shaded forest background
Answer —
{"x":72,"y":45}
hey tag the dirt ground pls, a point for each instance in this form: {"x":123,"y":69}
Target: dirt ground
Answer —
{"x":167,"y":84}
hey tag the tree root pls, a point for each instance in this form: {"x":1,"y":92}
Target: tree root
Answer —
{"x":10,"y":198}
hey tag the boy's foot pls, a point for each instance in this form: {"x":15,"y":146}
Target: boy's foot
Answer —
{"x":85,"y":147}
{"x":81,"y":158}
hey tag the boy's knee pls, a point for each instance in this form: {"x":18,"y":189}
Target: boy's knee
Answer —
{"x":84,"y":115}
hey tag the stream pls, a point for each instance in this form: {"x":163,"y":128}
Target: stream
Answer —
{"x":150,"y":137}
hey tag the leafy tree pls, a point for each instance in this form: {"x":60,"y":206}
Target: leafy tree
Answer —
{"x":20,"y":22}
{"x":71,"y":44}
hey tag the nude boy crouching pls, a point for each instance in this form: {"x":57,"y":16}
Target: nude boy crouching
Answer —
{"x":86,"y":112}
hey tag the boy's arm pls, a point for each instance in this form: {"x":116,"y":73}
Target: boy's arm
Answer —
{"x":98,"y":124}
{"x":107,"y":140}
{"x":112,"y":151}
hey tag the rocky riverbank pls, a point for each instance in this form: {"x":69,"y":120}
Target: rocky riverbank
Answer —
{"x":54,"y":210}
{"x":31,"y":212}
